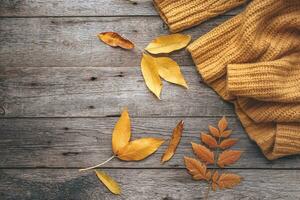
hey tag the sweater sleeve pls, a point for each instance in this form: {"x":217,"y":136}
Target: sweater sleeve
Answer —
{"x":183,"y":14}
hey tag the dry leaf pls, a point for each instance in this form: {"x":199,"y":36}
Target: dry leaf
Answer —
{"x":111,"y":184}
{"x":203,"y":153}
{"x":139,"y":149}
{"x":169,"y":70}
{"x":228,"y":157}
{"x":196,"y":169}
{"x":150,"y":74}
{"x":223,"y":124}
{"x":115,"y":40}
{"x":121,"y":133}
{"x":176,"y":136}
{"x":209,"y":140}
{"x":215,"y":176}
{"x":228,"y":143}
{"x":226,"y":133}
{"x":214,"y":186}
{"x":214,"y":131}
{"x":228,"y":180}
{"x":168,"y":43}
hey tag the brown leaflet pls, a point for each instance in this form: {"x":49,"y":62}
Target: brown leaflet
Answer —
{"x":228,"y":157}
{"x":203,"y":153}
{"x":197,"y":169}
{"x":228,"y":180}
{"x":214,"y":131}
{"x":209,"y":140}
{"x":228,"y":143}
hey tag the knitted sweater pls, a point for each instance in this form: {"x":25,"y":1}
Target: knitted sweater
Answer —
{"x":251,"y":60}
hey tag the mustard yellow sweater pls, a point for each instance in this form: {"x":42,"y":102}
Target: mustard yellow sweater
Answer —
{"x":251,"y":60}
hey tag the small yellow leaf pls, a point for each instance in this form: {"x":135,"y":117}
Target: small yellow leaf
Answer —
{"x":169,"y":70}
{"x":121,"y":133}
{"x":176,"y":136}
{"x":115,"y":40}
{"x":139,"y":149}
{"x":110,"y":183}
{"x":168,"y":43}
{"x":150,"y":74}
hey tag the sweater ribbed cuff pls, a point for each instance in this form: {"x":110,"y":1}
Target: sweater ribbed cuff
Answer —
{"x":183,"y":14}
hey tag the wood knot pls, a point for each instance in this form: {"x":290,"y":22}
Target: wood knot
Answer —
{"x":2,"y":110}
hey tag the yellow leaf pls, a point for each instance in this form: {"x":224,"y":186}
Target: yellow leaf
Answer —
{"x":168,"y":43}
{"x":121,"y":133}
{"x":176,"y":136}
{"x":110,"y":183}
{"x":150,"y":74}
{"x":169,"y":70}
{"x":139,"y":149}
{"x":115,"y":40}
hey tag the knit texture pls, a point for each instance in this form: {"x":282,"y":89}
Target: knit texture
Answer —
{"x":253,"y":61}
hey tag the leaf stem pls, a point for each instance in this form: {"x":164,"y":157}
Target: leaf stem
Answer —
{"x":98,"y":165}
{"x":207,"y":191}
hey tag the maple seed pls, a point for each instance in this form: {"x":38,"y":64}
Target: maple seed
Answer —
{"x":115,"y":40}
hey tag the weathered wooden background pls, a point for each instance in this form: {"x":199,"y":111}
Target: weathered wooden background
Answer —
{"x":62,"y":91}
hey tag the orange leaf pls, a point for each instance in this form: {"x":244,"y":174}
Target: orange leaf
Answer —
{"x":115,"y":40}
{"x":176,"y":136}
{"x":203,"y":153}
{"x":209,"y":140}
{"x":228,"y":157}
{"x":214,"y":186}
{"x":222,"y":125}
{"x":196,"y":168}
{"x":228,"y":143}
{"x":226,"y":133}
{"x":214,"y":131}
{"x":215,"y":176}
{"x":228,"y":180}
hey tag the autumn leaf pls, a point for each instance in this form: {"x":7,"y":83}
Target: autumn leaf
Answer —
{"x":228,"y":157}
{"x":203,"y":153}
{"x":168,"y":43}
{"x":214,"y":180}
{"x":176,"y":136}
{"x":226,"y":133}
{"x":228,"y":143}
{"x":110,"y":183}
{"x":169,"y":70}
{"x":150,"y":74}
{"x":228,"y":180}
{"x":115,"y":40}
{"x":209,"y":140}
{"x":121,"y":133}
{"x":223,"y":124}
{"x":196,"y":169}
{"x":214,"y":131}
{"x":139,"y":149}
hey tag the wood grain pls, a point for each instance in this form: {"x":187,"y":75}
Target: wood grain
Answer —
{"x":83,"y":142}
{"x":101,"y":91}
{"x":40,"y":8}
{"x":137,"y":184}
{"x":72,"y":41}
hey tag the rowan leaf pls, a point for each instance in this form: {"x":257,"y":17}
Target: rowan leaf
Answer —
{"x":115,"y":40}
{"x":108,"y":181}
{"x":203,"y":153}
{"x":228,"y":157}
{"x":169,"y":70}
{"x":196,"y":168}
{"x":228,"y":180}
{"x":228,"y":143}
{"x":223,"y":124}
{"x":121,"y":133}
{"x":226,"y":133}
{"x":139,"y":149}
{"x":176,"y":136}
{"x":150,"y":74}
{"x":214,"y":131}
{"x":214,"y":186}
{"x":209,"y":140}
{"x":168,"y":43}
{"x":215,"y":176}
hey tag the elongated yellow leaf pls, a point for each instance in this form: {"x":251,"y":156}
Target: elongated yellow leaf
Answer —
{"x":139,"y":149}
{"x":176,"y":136}
{"x":169,"y":70}
{"x":168,"y":43}
{"x":150,"y":74}
{"x":110,"y":183}
{"x":121,"y":134}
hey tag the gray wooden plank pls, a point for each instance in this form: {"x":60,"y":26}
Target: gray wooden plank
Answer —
{"x":138,"y":184}
{"x":101,"y":91}
{"x":79,"y":8}
{"x":82,"y":142}
{"x":72,"y":42}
